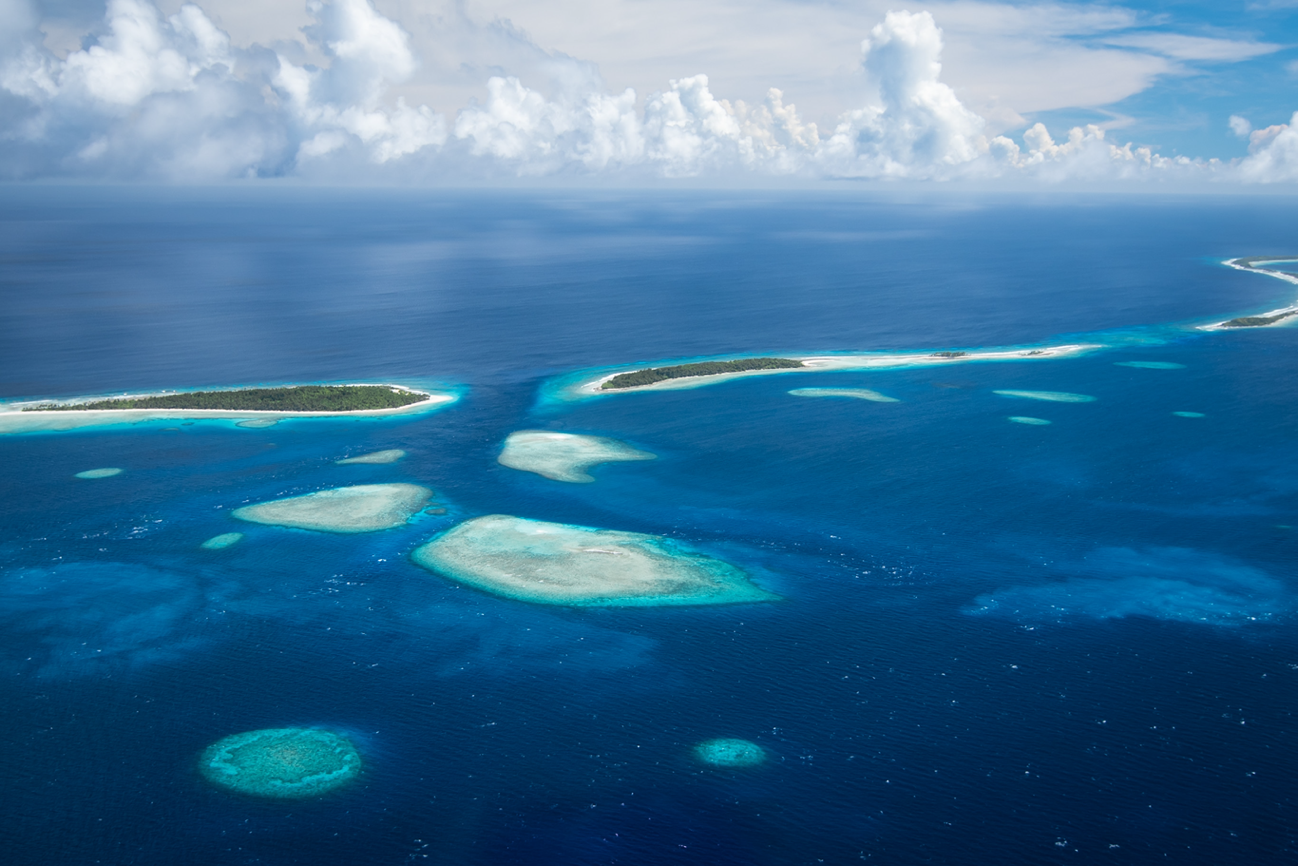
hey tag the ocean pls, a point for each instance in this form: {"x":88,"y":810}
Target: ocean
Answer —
{"x":996,"y":642}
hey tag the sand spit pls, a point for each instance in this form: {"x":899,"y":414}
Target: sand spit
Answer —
{"x":1047,"y":396}
{"x":592,"y":387}
{"x":557,"y":563}
{"x":360,"y":508}
{"x":564,"y":456}
{"x":852,"y":393}
{"x":392,"y":455}
{"x":14,"y":420}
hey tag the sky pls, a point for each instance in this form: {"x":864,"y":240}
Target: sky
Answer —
{"x":1154,"y":95}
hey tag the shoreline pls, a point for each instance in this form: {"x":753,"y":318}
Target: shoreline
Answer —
{"x":1288,"y":313}
{"x":16,"y":417}
{"x":593,"y":387}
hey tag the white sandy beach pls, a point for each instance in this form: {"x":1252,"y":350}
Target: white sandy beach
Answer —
{"x":830,"y":363}
{"x":14,"y":420}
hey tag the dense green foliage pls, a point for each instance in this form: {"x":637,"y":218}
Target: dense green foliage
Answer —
{"x":302,"y":398}
{"x":1254,"y":261}
{"x":949,"y":354}
{"x":637,"y":378}
{"x":1254,"y":321}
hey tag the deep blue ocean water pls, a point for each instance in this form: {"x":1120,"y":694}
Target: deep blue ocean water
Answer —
{"x":997,"y":644}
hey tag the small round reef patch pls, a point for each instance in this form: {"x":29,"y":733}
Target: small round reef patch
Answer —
{"x":284,"y":763}
{"x":730,"y":753}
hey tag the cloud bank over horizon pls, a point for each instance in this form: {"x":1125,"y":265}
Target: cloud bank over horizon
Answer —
{"x":171,"y":98}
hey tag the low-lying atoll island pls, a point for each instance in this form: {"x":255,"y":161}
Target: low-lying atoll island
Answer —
{"x":248,"y":407}
{"x":701,"y":373}
{"x":557,"y":563}
{"x":283,"y":763}
{"x":650,"y":375}
{"x":359,"y":508}
{"x":1274,"y":317}
{"x":564,"y":456}
{"x":295,"y":398}
{"x":730,"y":752}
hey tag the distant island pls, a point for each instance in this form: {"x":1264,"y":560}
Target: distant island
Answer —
{"x":650,"y":375}
{"x":296,"y":398}
{"x":1254,"y":264}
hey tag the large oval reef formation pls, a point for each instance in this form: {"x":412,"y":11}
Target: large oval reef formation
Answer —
{"x":284,"y":763}
{"x":730,"y":752}
{"x":557,"y":563}
{"x":106,"y":472}
{"x":359,"y":508}
{"x":222,"y":541}
{"x":564,"y":456}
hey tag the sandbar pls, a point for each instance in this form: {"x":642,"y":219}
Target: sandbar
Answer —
{"x":222,"y":541}
{"x":283,"y":763}
{"x":593,"y":386}
{"x":855,"y":393}
{"x":1048,"y":396}
{"x":391,"y":455}
{"x":557,"y":563}
{"x":106,"y":472}
{"x":564,"y":456}
{"x":13,"y":418}
{"x":1028,"y":419}
{"x":359,"y":508}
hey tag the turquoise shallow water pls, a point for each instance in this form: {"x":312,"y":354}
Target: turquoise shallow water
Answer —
{"x":997,"y":642}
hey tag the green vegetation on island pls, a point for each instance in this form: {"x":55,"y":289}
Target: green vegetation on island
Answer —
{"x":1257,"y":321}
{"x":650,"y":375}
{"x":298,"y":398}
{"x":948,"y":354}
{"x":1252,"y":262}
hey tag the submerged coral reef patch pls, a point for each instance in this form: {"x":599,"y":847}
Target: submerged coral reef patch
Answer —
{"x":557,"y":563}
{"x":222,"y":541}
{"x":730,"y":752}
{"x":564,"y":456}
{"x":359,"y":508}
{"x":106,"y":472}
{"x":284,"y":763}
{"x":1028,"y":419}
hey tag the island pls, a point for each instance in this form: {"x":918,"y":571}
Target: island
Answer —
{"x":281,"y":763}
{"x":590,"y":384}
{"x":558,"y":563}
{"x":564,"y":456}
{"x":359,"y":508}
{"x":1264,"y":320}
{"x":294,"y":398}
{"x":245,"y":407}
{"x":650,"y":375}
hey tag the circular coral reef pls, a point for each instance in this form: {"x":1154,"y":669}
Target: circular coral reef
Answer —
{"x":730,"y":753}
{"x":284,"y":763}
